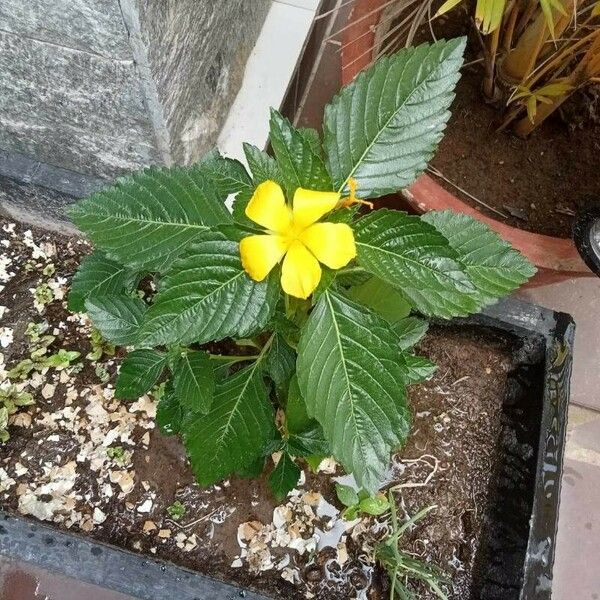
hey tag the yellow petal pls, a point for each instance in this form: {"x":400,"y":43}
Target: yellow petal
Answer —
{"x":310,"y":206}
{"x":300,"y":272}
{"x":268,"y":208}
{"x":332,"y":243}
{"x":260,"y":253}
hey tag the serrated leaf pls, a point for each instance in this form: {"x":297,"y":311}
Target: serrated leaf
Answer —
{"x":228,"y":175}
{"x":118,"y":318}
{"x":493,"y":265}
{"x":98,"y":276}
{"x":415,"y":258}
{"x":236,"y":429}
{"x":383,"y":128}
{"x":350,"y":375}
{"x":169,"y":413}
{"x":346,"y":495}
{"x":280,"y":363}
{"x":296,"y":415}
{"x":410,"y":331}
{"x":148,"y":219}
{"x":139,"y":372}
{"x":417,"y":369}
{"x":284,"y":477}
{"x":254,"y":470}
{"x":208,"y":296}
{"x":262,"y":166}
{"x":309,"y":442}
{"x":297,"y":160}
{"x":194,"y":381}
{"x":381,"y":297}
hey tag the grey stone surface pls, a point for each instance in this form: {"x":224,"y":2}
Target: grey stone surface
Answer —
{"x":36,"y":205}
{"x":103,"y":87}
{"x":197,"y":51}
{"x":90,"y":26}
{"x":73,"y":109}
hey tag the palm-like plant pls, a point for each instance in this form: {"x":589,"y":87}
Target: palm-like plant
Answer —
{"x":536,"y":53}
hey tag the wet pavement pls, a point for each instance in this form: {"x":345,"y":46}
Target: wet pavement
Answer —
{"x":21,"y":581}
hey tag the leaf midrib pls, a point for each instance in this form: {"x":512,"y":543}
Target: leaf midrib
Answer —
{"x":346,"y":374}
{"x":383,"y":128}
{"x":410,"y":261}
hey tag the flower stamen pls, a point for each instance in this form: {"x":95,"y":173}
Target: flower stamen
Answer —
{"x":352,"y":199}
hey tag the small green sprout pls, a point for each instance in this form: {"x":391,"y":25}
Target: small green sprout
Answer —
{"x":401,"y":566}
{"x":116,"y":453}
{"x":43,"y":294}
{"x":11,"y":399}
{"x":360,"y":502}
{"x":61,"y":360}
{"x":176,"y":511}
{"x":99,"y":346}
{"x":102,"y":374}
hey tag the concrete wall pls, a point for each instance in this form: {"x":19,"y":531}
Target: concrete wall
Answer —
{"x":102,"y":87}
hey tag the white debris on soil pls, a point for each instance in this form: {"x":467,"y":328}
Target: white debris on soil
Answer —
{"x":79,"y":429}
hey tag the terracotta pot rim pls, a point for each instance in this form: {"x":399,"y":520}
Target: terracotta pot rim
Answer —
{"x":546,"y":252}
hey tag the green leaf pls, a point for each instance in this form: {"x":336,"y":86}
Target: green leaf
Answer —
{"x":296,"y":157}
{"x":410,"y":331}
{"x":346,"y":495}
{"x":118,"y":318}
{"x":262,"y":166}
{"x":169,"y":413}
{"x":383,"y":128}
{"x":98,"y":276}
{"x":148,"y":219}
{"x":381,"y":297}
{"x":139,"y":372}
{"x":253,"y":470}
{"x":234,"y":433}
{"x":284,"y":477}
{"x":194,"y":381}
{"x":375,"y":505}
{"x":296,"y":415}
{"x":493,"y":265}
{"x":208,"y":296}
{"x":309,"y":442}
{"x":229,"y":175}
{"x":415,"y":258}
{"x":350,"y":375}
{"x":280,"y":364}
{"x":417,"y":369}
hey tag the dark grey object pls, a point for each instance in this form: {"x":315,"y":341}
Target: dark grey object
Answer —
{"x":104,"y":87}
{"x":518,"y":544}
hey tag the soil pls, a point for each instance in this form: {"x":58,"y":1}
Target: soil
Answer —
{"x":538,"y":183}
{"x":56,"y":464}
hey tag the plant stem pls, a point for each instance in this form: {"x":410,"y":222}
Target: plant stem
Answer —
{"x":233,"y":358}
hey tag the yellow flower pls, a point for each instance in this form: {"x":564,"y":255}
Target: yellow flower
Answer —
{"x":295,"y":234}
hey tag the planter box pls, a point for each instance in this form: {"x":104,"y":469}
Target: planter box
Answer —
{"x":517,"y":554}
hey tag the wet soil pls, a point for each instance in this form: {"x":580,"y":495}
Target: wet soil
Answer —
{"x":537,"y":183}
{"x":451,"y":460}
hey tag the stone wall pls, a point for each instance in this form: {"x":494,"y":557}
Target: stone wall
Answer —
{"x":103,"y":87}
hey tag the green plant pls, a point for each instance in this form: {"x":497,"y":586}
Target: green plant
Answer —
{"x":360,"y":502}
{"x":535,"y":53}
{"x":402,"y":567}
{"x":11,"y":399}
{"x":176,"y":510}
{"x":321,"y":370}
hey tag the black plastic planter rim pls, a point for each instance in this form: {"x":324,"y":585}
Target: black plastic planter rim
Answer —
{"x":122,"y":571}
